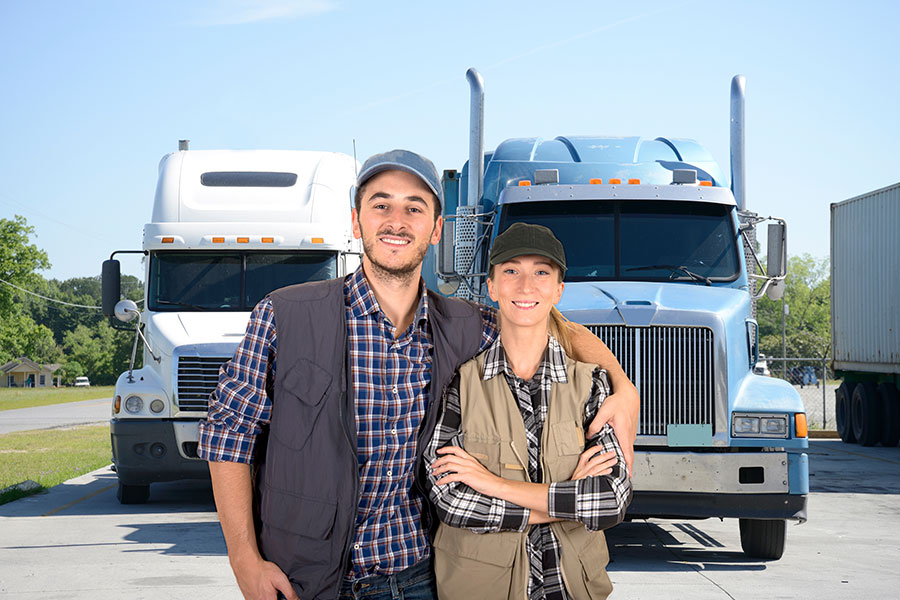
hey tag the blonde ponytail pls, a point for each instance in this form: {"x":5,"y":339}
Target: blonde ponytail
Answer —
{"x":559,"y":328}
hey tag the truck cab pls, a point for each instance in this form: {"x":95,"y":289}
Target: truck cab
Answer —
{"x":227,"y":228}
{"x":661,"y":266}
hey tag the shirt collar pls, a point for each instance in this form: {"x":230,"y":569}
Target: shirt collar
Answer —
{"x":553,"y":366}
{"x":363,"y":302}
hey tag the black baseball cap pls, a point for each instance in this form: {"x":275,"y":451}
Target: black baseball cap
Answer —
{"x":525,"y":238}
{"x":403,"y":160}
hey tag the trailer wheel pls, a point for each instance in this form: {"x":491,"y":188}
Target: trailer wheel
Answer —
{"x":842,"y":398}
{"x":133,"y":494}
{"x":763,"y":538}
{"x":866,"y":414}
{"x":890,"y":410}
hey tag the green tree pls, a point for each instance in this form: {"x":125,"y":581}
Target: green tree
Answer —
{"x":808,"y":323}
{"x":91,"y":348}
{"x":19,"y":259}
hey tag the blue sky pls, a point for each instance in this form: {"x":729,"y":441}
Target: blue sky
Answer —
{"x":96,"y":92}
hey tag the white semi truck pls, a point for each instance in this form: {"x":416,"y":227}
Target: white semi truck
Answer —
{"x":228,"y":227}
{"x":865,"y":321}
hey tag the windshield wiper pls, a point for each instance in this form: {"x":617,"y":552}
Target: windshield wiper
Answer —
{"x":675,"y":269}
{"x":184,"y":305}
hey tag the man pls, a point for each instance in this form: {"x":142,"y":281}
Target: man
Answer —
{"x":336,"y":426}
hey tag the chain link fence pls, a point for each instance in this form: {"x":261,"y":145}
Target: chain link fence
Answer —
{"x":814,"y":381}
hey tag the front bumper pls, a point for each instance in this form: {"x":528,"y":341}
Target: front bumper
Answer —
{"x":151,"y":450}
{"x":755,"y":485}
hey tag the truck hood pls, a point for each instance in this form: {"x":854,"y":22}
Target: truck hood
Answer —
{"x":168,"y":330}
{"x":640,"y":304}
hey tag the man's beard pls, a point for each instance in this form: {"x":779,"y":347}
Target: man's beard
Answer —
{"x":403,"y":273}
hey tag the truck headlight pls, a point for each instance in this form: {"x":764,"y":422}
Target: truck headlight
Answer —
{"x":134,"y":404}
{"x":749,"y":425}
{"x":745,"y":425}
{"x":157,"y":406}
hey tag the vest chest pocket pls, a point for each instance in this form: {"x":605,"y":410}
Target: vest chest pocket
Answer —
{"x":569,"y":444}
{"x":298,"y":403}
{"x":484,"y":450}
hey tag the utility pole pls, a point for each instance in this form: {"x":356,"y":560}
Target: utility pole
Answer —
{"x":784,"y":312}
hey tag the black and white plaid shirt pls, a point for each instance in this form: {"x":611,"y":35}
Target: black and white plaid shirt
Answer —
{"x":598,"y":502}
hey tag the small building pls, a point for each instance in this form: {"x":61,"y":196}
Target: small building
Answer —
{"x":24,"y":372}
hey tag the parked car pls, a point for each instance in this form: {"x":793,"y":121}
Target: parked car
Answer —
{"x":82,"y":382}
{"x":804,"y":376}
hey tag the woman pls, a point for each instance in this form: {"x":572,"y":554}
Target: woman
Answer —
{"x":509,"y":458}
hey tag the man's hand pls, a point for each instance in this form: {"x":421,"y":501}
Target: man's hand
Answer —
{"x":257,"y":578}
{"x":460,"y":466}
{"x":621,"y":410}
{"x":260,"y":579}
{"x":593,"y":463}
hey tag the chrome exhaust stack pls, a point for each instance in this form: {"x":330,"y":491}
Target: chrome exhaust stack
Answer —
{"x":738,"y":83}
{"x":476,"y":137}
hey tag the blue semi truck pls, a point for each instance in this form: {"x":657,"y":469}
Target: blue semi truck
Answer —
{"x":662,"y":267}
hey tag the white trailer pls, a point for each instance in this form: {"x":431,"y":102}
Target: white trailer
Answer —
{"x":228,"y":227}
{"x":865,"y":322}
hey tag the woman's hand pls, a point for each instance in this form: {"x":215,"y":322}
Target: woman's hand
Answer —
{"x":593,"y":462}
{"x":455,"y":464}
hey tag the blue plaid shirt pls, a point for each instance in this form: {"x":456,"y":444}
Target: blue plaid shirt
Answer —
{"x":391,"y":380}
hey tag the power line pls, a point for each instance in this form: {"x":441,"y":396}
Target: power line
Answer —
{"x":50,"y":299}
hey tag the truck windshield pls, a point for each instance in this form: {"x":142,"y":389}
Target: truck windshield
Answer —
{"x":637,"y":240}
{"x":229,"y":281}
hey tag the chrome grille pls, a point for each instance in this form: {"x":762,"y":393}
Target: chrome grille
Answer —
{"x":197,"y":378}
{"x":673,"y":370}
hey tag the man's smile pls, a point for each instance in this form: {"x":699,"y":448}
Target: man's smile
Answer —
{"x":394,"y":241}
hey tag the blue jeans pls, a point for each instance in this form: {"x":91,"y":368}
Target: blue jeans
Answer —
{"x":415,"y":583}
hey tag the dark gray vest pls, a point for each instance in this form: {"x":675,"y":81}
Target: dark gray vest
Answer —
{"x":307,"y":481}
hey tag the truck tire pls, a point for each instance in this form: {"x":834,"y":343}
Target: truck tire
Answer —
{"x":763,"y":538}
{"x":866,"y":414}
{"x":842,"y":398}
{"x":133,"y":494}
{"x":890,"y":410}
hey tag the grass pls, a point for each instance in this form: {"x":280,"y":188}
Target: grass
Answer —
{"x":11,"y":398}
{"x":50,"y":456}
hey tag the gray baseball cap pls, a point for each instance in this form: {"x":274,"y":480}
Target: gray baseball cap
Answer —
{"x":403,"y":160}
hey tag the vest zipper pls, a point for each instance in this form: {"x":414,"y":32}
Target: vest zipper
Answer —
{"x":347,"y":398}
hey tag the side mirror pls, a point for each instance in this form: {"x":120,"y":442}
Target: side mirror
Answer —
{"x":777,"y":251}
{"x":111,"y":286}
{"x":444,"y":261}
{"x":444,"y":256}
{"x":775,"y":290}
{"x":126,"y":310}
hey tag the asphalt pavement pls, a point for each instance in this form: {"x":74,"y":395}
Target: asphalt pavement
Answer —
{"x":76,"y":541}
{"x":85,"y":412}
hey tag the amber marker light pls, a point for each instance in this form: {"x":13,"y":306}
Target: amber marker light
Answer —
{"x":634,"y":182}
{"x":243,"y":240}
{"x":615,"y":181}
{"x":706,"y":183}
{"x":317,"y":240}
{"x":268,"y":240}
{"x":168,"y":240}
{"x":524,"y":183}
{"x":596,"y":181}
{"x":800,"y":428}
{"x":218,"y":240}
{"x":118,"y":404}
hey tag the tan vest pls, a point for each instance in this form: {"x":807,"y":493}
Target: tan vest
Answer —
{"x":472,"y":566}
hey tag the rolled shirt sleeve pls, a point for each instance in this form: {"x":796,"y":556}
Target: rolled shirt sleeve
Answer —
{"x":240,"y":405}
